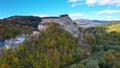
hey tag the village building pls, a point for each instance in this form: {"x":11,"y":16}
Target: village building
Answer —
{"x":36,"y":33}
{"x":42,"y":26}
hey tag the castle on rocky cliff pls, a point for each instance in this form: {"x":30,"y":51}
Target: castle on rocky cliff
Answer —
{"x":63,"y":20}
{"x":60,"y":20}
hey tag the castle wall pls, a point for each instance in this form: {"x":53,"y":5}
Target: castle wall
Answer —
{"x":61,"y":18}
{"x":49,"y":20}
{"x":65,"y":19}
{"x":41,"y":27}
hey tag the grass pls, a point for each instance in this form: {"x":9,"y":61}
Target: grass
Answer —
{"x":111,"y":27}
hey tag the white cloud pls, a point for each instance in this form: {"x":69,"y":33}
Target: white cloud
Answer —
{"x":108,"y":17}
{"x":41,"y":15}
{"x":107,"y":12}
{"x":2,"y":17}
{"x":116,"y":19}
{"x":76,"y":15}
{"x":103,"y":2}
{"x":91,"y":2}
{"x":118,"y":5}
{"x":72,"y":0}
{"x":75,"y":2}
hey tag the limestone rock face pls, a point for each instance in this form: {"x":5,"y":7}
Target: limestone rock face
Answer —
{"x":68,"y":25}
{"x":66,"y":22}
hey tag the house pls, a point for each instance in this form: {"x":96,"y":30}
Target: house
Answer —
{"x":29,"y":36}
{"x":42,"y":26}
{"x":8,"y":44}
{"x":35,"y":33}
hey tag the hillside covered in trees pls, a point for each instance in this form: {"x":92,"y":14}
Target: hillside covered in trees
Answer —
{"x":105,"y":46}
{"x":11,"y":28}
{"x":53,"y":48}
{"x":32,"y":21}
{"x":56,"y":48}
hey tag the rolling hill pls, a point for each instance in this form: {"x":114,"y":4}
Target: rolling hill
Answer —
{"x":16,"y":25}
{"x":111,"y":27}
{"x":89,"y":23}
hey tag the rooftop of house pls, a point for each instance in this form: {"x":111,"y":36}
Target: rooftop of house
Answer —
{"x":17,"y":40}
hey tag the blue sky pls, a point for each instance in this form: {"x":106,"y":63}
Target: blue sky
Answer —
{"x":77,"y":9}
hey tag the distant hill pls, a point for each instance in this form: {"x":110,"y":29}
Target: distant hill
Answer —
{"x":17,"y":25}
{"x":111,"y":27}
{"x":87,"y":23}
{"x":24,"y":20}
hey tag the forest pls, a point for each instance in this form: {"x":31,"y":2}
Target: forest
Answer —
{"x":105,"y":46}
{"x":56,"y":48}
{"x":10,"y":29}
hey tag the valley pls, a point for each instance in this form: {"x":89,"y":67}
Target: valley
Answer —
{"x":60,"y":43}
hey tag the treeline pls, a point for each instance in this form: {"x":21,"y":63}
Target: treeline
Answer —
{"x":105,"y":48}
{"x":9,"y":30}
{"x":32,"y":21}
{"x":54,"y":48}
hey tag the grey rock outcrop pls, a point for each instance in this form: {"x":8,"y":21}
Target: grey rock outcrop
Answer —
{"x":67,"y":23}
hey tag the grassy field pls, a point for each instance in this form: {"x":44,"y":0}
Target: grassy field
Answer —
{"x":111,"y":27}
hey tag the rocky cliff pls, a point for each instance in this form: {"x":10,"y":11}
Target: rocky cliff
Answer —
{"x":67,"y":23}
